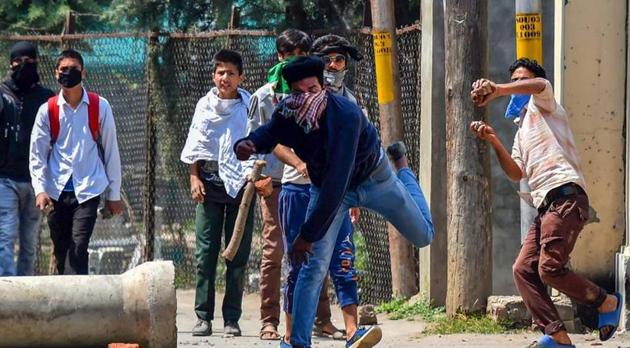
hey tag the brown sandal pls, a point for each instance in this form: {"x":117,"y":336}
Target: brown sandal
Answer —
{"x":269,"y":332}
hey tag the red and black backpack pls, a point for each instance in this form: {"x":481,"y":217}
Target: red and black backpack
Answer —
{"x":93,"y":115}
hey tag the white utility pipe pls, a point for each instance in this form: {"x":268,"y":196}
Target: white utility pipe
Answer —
{"x":138,"y":306}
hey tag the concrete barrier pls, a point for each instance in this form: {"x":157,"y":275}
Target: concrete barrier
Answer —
{"x":138,"y":306}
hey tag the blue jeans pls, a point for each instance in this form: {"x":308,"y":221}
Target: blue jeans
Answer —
{"x":398,"y":198}
{"x":18,"y":217}
{"x":293,"y":203}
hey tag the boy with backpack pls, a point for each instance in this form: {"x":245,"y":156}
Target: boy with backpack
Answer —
{"x":74,"y":160}
{"x":217,"y":180}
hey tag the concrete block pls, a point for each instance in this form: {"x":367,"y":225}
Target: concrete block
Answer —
{"x":509,"y":308}
{"x":512,"y":309}
{"x":565,"y":307}
{"x":575,"y":326}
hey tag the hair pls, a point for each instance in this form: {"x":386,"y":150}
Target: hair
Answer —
{"x":69,"y":54}
{"x":292,"y":39}
{"x":227,"y":56}
{"x":529,"y":64}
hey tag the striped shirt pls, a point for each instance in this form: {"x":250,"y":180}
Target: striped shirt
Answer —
{"x":544,"y":148}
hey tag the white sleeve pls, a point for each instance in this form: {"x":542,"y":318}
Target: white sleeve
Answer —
{"x":516,"y":153}
{"x":111,"y":157}
{"x":545,"y":101}
{"x":199,"y":144}
{"x":40,"y":148}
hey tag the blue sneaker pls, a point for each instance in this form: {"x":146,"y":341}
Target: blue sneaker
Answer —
{"x":365,"y":337}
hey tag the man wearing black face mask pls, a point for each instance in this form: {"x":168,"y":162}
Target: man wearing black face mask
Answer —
{"x":21,"y":97}
{"x":74,"y":162}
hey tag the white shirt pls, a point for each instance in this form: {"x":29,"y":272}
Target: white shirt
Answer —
{"x":544,"y":147}
{"x":75,"y":153}
{"x":262,"y":105}
{"x":216,"y":125}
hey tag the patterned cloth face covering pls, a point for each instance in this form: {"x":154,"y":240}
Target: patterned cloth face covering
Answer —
{"x":305,"y":108}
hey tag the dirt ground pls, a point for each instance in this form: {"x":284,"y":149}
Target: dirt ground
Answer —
{"x":396,"y":333}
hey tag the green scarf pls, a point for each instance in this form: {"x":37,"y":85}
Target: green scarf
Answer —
{"x":275,"y":76}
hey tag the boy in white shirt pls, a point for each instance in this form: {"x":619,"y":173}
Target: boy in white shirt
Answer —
{"x":217,"y":182}
{"x":74,"y":160}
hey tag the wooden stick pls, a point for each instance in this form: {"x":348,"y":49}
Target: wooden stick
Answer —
{"x":243,"y":211}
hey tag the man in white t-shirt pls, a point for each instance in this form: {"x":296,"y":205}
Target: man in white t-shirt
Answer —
{"x":544,"y":153}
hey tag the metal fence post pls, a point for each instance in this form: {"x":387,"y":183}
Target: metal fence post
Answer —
{"x":148,"y":204}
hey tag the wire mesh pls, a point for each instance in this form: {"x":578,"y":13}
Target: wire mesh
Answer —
{"x":165,"y":77}
{"x":115,"y":70}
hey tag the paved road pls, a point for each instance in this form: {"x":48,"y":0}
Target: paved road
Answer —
{"x":396,"y":333}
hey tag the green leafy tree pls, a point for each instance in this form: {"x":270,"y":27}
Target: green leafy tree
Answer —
{"x":44,"y":16}
{"x":41,"y":16}
{"x":317,"y":14}
{"x":163,"y":15}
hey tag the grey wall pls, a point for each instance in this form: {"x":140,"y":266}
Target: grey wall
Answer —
{"x":505,"y":202}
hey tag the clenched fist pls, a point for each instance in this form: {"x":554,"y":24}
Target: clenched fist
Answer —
{"x":244,"y":149}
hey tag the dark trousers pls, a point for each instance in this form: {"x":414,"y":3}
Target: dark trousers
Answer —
{"x":71,"y":225}
{"x":212,"y":221}
{"x":543,"y":259}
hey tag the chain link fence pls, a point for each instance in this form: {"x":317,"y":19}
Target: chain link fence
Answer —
{"x":153,"y":83}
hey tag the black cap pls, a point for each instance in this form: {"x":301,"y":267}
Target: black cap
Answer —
{"x":335,"y":43}
{"x":23,"y":49}
{"x":302,"y":68}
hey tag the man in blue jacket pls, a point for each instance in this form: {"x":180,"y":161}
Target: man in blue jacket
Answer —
{"x":348,"y":168}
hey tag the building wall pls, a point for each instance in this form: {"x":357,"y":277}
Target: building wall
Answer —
{"x":594,"y":37}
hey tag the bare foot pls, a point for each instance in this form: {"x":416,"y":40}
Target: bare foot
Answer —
{"x":609,"y":305}
{"x":329,"y":327}
{"x":561,"y":337}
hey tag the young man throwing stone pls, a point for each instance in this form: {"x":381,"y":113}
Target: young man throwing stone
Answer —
{"x":348,"y":168}
{"x":544,"y":152}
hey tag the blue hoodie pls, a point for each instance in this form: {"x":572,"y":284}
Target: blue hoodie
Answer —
{"x":339,"y":155}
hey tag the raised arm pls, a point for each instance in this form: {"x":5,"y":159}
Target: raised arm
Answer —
{"x":508,"y":164}
{"x":288,"y":157}
{"x":263,"y":140}
{"x":484,"y":91}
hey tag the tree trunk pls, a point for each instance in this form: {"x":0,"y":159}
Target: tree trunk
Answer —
{"x":468,"y":185}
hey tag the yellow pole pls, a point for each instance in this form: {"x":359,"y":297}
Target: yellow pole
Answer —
{"x":528,"y":45}
{"x":529,"y":30}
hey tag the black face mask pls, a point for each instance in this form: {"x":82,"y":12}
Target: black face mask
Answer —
{"x":69,"y":78}
{"x":25,"y":75}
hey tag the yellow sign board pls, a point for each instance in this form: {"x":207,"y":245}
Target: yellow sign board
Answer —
{"x":383,"y":52}
{"x":529,"y":36}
